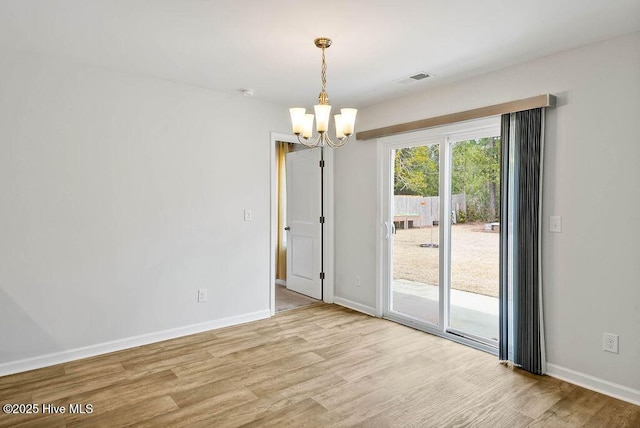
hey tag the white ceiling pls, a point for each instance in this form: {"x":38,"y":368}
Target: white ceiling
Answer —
{"x":267,"y":45}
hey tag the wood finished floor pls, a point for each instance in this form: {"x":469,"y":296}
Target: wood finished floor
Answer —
{"x":287,"y":299}
{"x":317,"y":366}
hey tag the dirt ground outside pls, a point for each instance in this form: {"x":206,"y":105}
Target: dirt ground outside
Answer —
{"x":474,"y":257}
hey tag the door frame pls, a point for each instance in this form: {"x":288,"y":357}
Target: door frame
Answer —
{"x":329,"y":225}
{"x":445,"y":136}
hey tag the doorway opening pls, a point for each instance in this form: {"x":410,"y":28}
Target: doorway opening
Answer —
{"x":302,"y":246}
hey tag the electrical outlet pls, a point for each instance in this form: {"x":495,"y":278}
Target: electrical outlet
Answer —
{"x":610,"y":342}
{"x":358,"y":281}
{"x":202,"y":295}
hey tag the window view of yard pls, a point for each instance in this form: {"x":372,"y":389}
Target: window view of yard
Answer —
{"x":474,"y":260}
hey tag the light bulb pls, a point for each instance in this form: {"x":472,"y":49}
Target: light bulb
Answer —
{"x":297,"y":119}
{"x":307,"y":128}
{"x":348,"y":120}
{"x":323,"y":111}
{"x":339,"y":127}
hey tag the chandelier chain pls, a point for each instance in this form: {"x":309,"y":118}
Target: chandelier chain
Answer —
{"x":324,"y":72}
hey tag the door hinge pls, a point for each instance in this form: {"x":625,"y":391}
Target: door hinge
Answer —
{"x":321,"y":275}
{"x":322,"y":220}
{"x":322,"y":164}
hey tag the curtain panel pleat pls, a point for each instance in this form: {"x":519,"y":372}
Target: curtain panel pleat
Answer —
{"x":503,"y":294}
{"x":521,"y":332}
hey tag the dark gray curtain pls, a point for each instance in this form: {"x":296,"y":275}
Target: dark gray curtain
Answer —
{"x":525,"y":339}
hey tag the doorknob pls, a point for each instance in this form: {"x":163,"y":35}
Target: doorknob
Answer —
{"x":287,"y":228}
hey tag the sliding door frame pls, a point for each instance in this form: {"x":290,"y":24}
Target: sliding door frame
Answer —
{"x":445,"y":136}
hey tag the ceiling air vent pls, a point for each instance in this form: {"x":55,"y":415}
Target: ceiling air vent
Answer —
{"x":419,"y":76}
{"x":415,"y":77}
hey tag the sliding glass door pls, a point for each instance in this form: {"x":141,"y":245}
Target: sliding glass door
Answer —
{"x":440,"y":210}
{"x":415,"y":235}
{"x":475,"y":238}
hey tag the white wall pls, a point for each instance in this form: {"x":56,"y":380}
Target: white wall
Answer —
{"x":120,"y":196}
{"x":591,"y":271}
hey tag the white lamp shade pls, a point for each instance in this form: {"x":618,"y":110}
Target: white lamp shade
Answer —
{"x":339,"y":127}
{"x":307,"y":127}
{"x":297,"y":119}
{"x":348,"y":120}
{"x":323,"y":112}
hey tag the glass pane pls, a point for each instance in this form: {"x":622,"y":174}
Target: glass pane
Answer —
{"x":416,"y":208}
{"x":475,"y":208}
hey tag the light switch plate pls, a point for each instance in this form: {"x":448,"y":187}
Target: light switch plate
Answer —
{"x":248,"y":215}
{"x":555,"y":224}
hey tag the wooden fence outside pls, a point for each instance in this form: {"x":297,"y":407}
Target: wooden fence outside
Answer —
{"x":424,"y":211}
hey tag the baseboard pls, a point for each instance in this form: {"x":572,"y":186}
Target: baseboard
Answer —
{"x":593,"y":383}
{"x":130,"y":342}
{"x":355,"y":306}
{"x":281,"y":282}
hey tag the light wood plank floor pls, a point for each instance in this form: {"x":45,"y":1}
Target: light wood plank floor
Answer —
{"x":287,"y":299}
{"x":317,"y":366}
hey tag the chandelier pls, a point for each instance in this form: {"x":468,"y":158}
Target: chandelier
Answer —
{"x":302,"y":122}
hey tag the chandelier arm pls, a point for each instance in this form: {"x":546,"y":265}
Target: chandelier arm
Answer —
{"x":322,"y":140}
{"x":305,"y":141}
{"x":339,"y":142}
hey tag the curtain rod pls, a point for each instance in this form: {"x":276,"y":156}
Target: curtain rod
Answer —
{"x":545,"y":100}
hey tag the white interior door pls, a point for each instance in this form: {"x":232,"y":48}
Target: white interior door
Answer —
{"x":303,"y":221}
